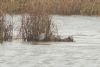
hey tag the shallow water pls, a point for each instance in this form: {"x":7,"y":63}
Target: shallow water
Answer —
{"x":85,"y":52}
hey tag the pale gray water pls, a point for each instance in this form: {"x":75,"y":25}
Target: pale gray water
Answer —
{"x":85,"y":52}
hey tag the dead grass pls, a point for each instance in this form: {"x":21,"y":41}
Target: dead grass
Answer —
{"x":64,"y":7}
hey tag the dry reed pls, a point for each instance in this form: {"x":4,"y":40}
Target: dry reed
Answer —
{"x":65,"y":7}
{"x":36,"y":28}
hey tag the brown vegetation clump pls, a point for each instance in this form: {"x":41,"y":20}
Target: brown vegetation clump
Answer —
{"x":40,"y":28}
{"x":36,"y":28}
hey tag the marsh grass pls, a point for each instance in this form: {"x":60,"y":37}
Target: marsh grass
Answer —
{"x":61,"y":7}
{"x":37,"y":25}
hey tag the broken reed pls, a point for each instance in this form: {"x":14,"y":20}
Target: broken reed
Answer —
{"x":37,"y":28}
